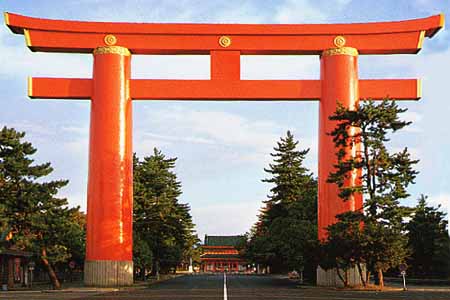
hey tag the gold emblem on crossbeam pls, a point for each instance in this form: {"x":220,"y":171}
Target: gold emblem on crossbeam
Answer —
{"x":339,"y":41}
{"x":110,"y":40}
{"x":225,"y":41}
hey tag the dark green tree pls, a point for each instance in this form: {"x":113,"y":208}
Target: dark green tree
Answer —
{"x":35,"y":218}
{"x":344,"y":248}
{"x":429,"y":242}
{"x":285,"y":235}
{"x":384,"y":180}
{"x":60,"y":237}
{"x":163,"y":227}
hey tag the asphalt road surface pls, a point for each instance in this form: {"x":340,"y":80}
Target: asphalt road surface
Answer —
{"x":242,"y":287}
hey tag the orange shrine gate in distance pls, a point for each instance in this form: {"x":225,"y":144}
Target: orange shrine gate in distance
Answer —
{"x":111,"y":91}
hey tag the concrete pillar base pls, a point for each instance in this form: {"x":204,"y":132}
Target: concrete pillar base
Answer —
{"x":108,"y":273}
{"x":330,"y":277}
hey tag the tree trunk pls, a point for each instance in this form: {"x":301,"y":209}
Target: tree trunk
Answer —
{"x":51,"y":273}
{"x":341,"y":278}
{"x":155,"y":269}
{"x":361,"y":275}
{"x":367,"y":277}
{"x":143,"y":274}
{"x":10,"y":272}
{"x":380,"y":279}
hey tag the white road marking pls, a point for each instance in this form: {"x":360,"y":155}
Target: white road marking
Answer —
{"x":225,"y":294}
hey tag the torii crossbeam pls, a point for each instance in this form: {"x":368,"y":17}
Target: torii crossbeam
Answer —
{"x":110,"y":194}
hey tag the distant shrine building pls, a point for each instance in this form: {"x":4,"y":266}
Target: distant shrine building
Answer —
{"x":221,"y":255}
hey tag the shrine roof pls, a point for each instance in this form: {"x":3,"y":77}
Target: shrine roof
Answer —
{"x":220,"y":256}
{"x":223,"y":240}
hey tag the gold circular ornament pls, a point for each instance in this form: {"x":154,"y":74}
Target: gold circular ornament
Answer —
{"x":339,"y":41}
{"x":110,"y":40}
{"x":225,"y":41}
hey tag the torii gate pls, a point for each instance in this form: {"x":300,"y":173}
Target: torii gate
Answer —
{"x":110,"y":184}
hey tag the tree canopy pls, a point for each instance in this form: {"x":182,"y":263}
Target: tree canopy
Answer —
{"x":163,"y":229}
{"x":286,"y":232}
{"x":429,"y":241}
{"x":35,"y":219}
{"x":385,"y":177}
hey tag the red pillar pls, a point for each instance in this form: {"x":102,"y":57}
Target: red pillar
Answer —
{"x":339,"y":80}
{"x":110,"y":185}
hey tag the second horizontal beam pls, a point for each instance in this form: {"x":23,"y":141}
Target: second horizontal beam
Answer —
{"x":225,"y":90}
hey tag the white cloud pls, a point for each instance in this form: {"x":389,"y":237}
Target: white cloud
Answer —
{"x":78,"y":147}
{"x":443,"y":200}
{"x":415,"y":118}
{"x":278,"y":67}
{"x":170,"y":66}
{"x":306,"y":11}
{"x":222,"y":128}
{"x":298,"y":11}
{"x":79,"y":130}
{"x":343,"y":2}
{"x":412,"y":116}
{"x":31,"y":129}
{"x":225,"y":218}
{"x":18,"y":61}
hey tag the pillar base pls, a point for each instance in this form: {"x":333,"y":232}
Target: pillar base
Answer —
{"x":330,"y":277}
{"x":108,"y":273}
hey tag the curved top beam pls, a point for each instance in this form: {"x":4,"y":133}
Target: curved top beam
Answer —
{"x":17,"y":23}
{"x":369,"y":38}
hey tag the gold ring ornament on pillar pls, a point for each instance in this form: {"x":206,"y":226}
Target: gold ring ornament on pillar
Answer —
{"x":225,"y":41}
{"x":112,"y":50}
{"x":340,"y":51}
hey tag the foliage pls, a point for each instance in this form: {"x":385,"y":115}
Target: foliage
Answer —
{"x":163,"y":229}
{"x":384,"y":180}
{"x":429,"y":242}
{"x":344,"y":249}
{"x":285,"y":235}
{"x":36,"y":219}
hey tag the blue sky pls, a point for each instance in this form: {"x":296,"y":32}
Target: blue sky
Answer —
{"x":222,"y":148}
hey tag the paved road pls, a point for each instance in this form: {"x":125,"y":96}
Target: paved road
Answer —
{"x":211,"y":287}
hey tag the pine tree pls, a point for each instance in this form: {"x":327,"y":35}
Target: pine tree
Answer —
{"x":429,"y":241}
{"x":286,"y":232}
{"x":35,"y":219}
{"x":384,"y":180}
{"x":163,"y":227}
{"x":289,"y":176}
{"x":344,"y":248}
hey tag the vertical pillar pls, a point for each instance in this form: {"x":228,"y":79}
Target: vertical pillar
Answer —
{"x":110,"y":185}
{"x":339,"y":80}
{"x":339,"y":83}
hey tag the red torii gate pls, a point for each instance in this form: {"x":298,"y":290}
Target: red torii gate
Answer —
{"x":110,"y":194}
